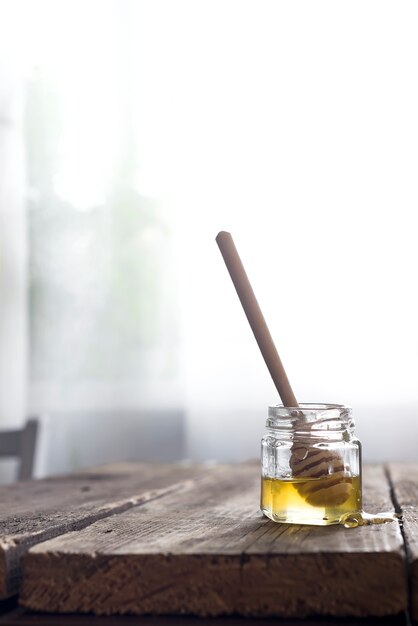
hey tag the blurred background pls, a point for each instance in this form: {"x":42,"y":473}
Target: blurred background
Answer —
{"x":131,"y":132}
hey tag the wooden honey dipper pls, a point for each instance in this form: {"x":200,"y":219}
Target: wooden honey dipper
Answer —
{"x":306,"y":460}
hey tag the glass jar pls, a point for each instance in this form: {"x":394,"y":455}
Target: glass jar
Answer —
{"x":311,"y":465}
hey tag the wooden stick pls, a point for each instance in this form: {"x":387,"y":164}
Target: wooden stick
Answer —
{"x":255,"y":318}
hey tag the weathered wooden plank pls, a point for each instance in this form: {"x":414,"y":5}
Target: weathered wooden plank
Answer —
{"x":207,"y":551}
{"x":34,"y":511}
{"x":404,"y":479}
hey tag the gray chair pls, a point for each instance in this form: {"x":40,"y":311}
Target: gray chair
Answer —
{"x":21,"y":444}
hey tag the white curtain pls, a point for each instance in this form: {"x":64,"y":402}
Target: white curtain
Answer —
{"x":103,"y":364}
{"x":13,"y":300}
{"x":151,"y":125}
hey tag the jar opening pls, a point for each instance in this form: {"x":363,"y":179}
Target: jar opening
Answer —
{"x":308,"y":406}
{"x":310,"y":416}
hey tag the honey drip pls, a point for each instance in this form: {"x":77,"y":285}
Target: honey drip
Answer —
{"x":318,"y":501}
{"x":352,"y":520}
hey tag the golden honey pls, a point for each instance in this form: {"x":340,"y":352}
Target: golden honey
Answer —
{"x":311,"y":500}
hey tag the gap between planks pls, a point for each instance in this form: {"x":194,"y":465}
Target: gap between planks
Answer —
{"x":403,"y":478}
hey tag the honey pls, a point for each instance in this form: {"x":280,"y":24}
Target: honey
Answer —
{"x":311,"y":500}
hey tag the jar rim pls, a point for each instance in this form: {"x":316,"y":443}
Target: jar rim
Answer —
{"x":308,"y":406}
{"x":309,"y":416}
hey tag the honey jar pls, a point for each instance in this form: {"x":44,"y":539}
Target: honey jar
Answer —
{"x":311,"y":465}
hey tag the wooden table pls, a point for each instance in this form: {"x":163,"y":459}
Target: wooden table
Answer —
{"x":167,"y":540}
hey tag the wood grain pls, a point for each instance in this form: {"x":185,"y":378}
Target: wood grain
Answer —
{"x":404,"y":479}
{"x":31,"y":512}
{"x":206,"y":550}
